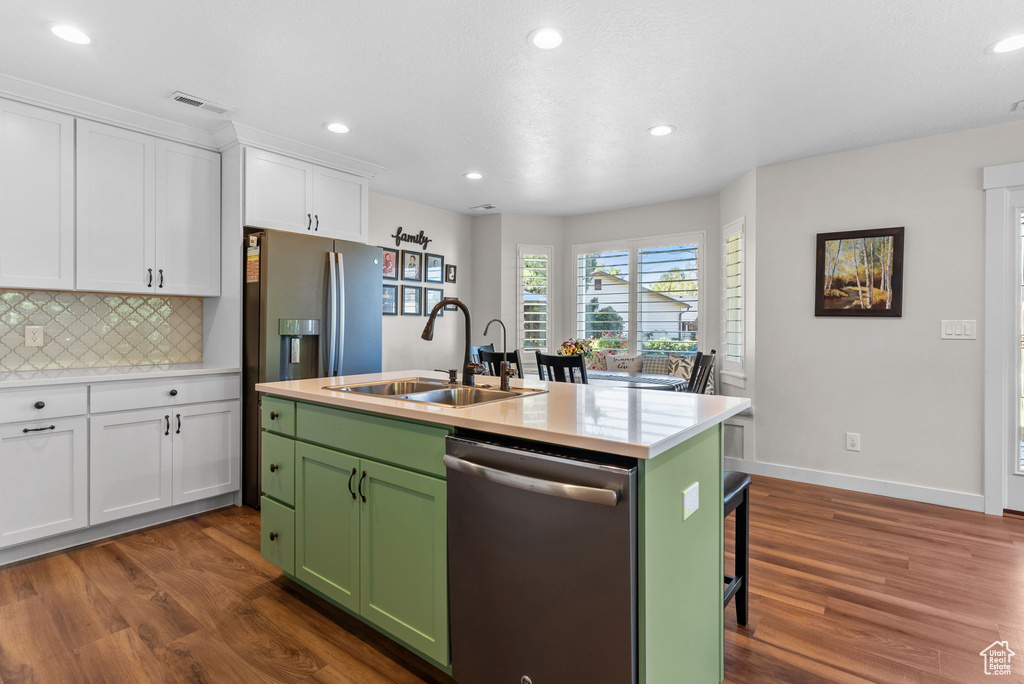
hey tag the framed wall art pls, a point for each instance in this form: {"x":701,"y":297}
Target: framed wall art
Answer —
{"x":431,"y":296}
{"x":412,"y":299}
{"x":859,"y":273}
{"x":434,"y":272}
{"x":389,"y":300}
{"x":449,"y":274}
{"x":390,"y":265}
{"x":412,"y":265}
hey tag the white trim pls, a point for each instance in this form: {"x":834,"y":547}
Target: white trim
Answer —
{"x":272,"y":142}
{"x":111,"y":529}
{"x":1002,"y":321}
{"x":732,"y":378}
{"x":897,"y":490}
{"x":1003,"y":176}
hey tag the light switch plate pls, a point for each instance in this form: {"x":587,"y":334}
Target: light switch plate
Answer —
{"x":33,"y":336}
{"x":959,"y":330}
{"x":691,"y":500}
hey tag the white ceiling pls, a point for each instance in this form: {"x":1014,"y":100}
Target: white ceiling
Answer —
{"x":431,"y":90}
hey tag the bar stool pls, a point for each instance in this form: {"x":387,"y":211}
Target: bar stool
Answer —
{"x":736,"y":492}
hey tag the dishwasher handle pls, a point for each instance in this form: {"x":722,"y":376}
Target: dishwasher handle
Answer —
{"x":595,"y":495}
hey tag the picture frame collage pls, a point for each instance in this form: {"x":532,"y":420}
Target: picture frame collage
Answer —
{"x":408,"y":266}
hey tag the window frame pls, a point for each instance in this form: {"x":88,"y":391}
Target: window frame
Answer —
{"x":549,"y":252}
{"x":734,"y":372}
{"x":633,"y":247}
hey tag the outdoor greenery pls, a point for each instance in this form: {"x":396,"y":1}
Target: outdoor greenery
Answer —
{"x":672,"y":283}
{"x":603,"y":320}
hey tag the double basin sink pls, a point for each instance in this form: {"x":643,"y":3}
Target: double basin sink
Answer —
{"x":431,"y":391}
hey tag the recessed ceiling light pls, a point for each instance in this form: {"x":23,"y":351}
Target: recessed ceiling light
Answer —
{"x":336,"y":127}
{"x":664,"y":129}
{"x":473,"y":175}
{"x":71,"y":34}
{"x":546,"y":38}
{"x":1008,"y":44}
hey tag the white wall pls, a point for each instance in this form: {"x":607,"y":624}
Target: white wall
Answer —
{"x":915,"y":400}
{"x":450,"y":235}
{"x":650,"y":220}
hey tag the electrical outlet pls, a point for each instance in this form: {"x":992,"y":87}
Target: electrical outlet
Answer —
{"x":691,"y":500}
{"x":33,"y":336}
{"x":853,"y":441}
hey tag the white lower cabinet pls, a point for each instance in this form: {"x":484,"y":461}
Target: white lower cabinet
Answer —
{"x":44,"y":479}
{"x":206,"y":450}
{"x":129,"y":463}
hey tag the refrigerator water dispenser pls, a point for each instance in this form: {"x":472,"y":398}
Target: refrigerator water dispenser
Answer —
{"x":300,"y":348}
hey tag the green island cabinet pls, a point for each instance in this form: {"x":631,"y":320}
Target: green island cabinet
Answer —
{"x":355,"y":509}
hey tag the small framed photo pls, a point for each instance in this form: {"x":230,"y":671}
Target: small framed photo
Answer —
{"x":389,"y":303}
{"x":449,"y":273}
{"x":390,"y":267}
{"x":860,"y":273}
{"x":451,"y":307}
{"x":435,"y":268}
{"x":412,"y":265}
{"x":431,"y":296}
{"x":412,"y":298}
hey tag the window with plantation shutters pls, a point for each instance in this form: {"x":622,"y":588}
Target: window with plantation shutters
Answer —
{"x":535,"y":300}
{"x":640,"y":295}
{"x":733,"y":299}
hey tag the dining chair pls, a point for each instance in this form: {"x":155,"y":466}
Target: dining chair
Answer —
{"x":553,"y":367}
{"x":701,"y":373}
{"x":474,"y":351}
{"x":492,"y":361}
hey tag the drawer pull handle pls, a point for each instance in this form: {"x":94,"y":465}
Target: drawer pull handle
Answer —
{"x":178,"y":431}
{"x":52,"y":427}
{"x":39,"y":405}
{"x":167,"y":430}
{"x":361,"y":478}
{"x":273,"y":536}
{"x":274,"y":467}
{"x":174,"y":393}
{"x":350,"y":490}
{"x":274,"y":415}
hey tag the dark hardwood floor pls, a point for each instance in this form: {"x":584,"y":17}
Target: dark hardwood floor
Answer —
{"x":845,"y":588}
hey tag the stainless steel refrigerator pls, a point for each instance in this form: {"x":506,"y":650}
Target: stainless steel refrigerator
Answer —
{"x":312,"y":308}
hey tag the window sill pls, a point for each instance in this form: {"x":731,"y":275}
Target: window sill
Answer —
{"x":733,"y":378}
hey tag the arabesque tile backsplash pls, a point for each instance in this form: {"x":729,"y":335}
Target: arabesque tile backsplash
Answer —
{"x":85,"y":330}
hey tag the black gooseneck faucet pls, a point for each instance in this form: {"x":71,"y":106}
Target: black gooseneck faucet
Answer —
{"x":469,"y":369}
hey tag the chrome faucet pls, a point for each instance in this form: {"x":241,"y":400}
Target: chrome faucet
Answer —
{"x":505,"y":370}
{"x":469,"y":370}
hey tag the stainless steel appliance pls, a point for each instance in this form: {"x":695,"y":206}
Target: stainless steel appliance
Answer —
{"x":542,"y":562}
{"x":311,"y":309}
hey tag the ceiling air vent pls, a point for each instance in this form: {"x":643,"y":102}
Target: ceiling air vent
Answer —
{"x":200,"y":103}
{"x":483,"y":207}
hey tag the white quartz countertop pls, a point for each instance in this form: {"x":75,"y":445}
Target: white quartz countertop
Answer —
{"x":639,"y":423}
{"x":75,"y":376}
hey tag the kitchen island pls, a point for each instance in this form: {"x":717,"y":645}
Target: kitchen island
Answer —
{"x":356,"y":505}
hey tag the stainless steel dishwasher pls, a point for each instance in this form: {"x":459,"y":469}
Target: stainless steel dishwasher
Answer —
{"x":542,"y":563}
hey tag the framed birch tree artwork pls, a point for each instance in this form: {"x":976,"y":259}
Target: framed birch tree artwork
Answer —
{"x":860,"y":273}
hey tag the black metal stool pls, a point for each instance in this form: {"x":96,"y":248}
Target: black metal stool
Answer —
{"x":736,"y":491}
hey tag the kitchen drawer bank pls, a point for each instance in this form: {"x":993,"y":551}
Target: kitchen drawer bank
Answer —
{"x":81,"y":462}
{"x":355,"y":509}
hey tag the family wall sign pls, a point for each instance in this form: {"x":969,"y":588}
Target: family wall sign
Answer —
{"x":401,"y":236}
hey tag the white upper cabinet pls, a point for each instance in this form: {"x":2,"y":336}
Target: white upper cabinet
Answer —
{"x":339,"y":205}
{"x":37,"y":195}
{"x":116,"y":209}
{"x":287,"y":194}
{"x":187,"y":220}
{"x":148,"y":214}
{"x":278,"y":192}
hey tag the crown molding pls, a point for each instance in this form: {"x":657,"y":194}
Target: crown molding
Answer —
{"x":271,"y":142}
{"x":94,"y":110}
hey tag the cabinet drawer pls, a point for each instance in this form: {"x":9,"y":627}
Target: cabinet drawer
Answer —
{"x":278,"y":415}
{"x":409,"y":445}
{"x":162,"y":392}
{"x":56,"y":402}
{"x":278,"y":467}
{"x":277,"y":521}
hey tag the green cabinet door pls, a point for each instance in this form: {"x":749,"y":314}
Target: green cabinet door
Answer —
{"x":327,"y":523}
{"x":404,"y":557}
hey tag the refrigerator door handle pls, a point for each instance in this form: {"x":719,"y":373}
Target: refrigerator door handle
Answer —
{"x":339,"y":329}
{"x":329,"y":365}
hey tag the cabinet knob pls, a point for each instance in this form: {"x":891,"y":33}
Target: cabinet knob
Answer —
{"x":274,"y":415}
{"x":274,"y":467}
{"x":174,"y":393}
{"x":273,"y":536}
{"x":39,"y":404}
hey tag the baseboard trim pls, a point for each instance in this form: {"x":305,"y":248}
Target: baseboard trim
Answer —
{"x":897,"y":490}
{"x":87,"y":535}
